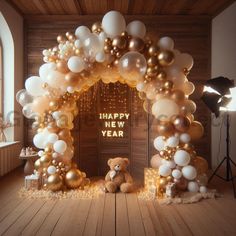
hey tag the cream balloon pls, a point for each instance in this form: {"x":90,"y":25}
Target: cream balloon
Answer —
{"x":156,"y":161}
{"x":166,"y":43}
{"x":82,"y":32}
{"x":113,"y":23}
{"x":45,"y":69}
{"x":136,"y":28}
{"x":76,"y":64}
{"x":34,"y":86}
{"x":164,"y":109}
{"x":159,"y":143}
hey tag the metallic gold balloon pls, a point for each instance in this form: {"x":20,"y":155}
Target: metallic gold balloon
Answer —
{"x":53,"y":105}
{"x":188,"y":147}
{"x":181,"y":123}
{"x":165,"y":128}
{"x":73,"y":178}
{"x":178,"y":95}
{"x":54,"y":182}
{"x":200,"y":164}
{"x":136,"y":44}
{"x":196,"y":130}
{"x":152,"y":71}
{"x":163,"y":182}
{"x":152,"y":61}
{"x":168,"y":84}
{"x":161,"y":75}
{"x":60,"y":39}
{"x":64,"y":134}
{"x":153,"y":50}
{"x":96,"y":27}
{"x":165,"y":58}
{"x":52,"y":127}
{"x":188,"y":107}
{"x":45,"y":160}
{"x":72,"y":78}
{"x":48,"y":149}
{"x":119,"y":42}
{"x":37,"y":165}
{"x":62,"y":66}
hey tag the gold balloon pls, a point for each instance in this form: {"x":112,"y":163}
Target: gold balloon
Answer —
{"x":73,"y":178}
{"x":163,"y":182}
{"x":62,"y":66}
{"x":53,"y":105}
{"x":96,"y":27}
{"x":60,"y":39}
{"x":200,"y":164}
{"x":196,"y":130}
{"x":54,"y":182}
{"x":165,"y":129}
{"x":165,"y":58}
{"x":190,"y":117}
{"x":48,"y":149}
{"x":152,"y":71}
{"x":161,"y":75}
{"x":52,"y":127}
{"x":45,"y":160}
{"x":64,"y":134}
{"x":153,"y":50}
{"x":72,"y":78}
{"x":181,"y":123}
{"x":37,"y":165}
{"x":188,"y":107}
{"x":188,"y":147}
{"x":178,"y":95}
{"x":168,"y":84}
{"x":136,"y":44}
{"x":152,"y":61}
{"x":119,"y":42}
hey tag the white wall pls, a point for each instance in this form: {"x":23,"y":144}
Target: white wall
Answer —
{"x":224,"y":63}
{"x":11,"y":33}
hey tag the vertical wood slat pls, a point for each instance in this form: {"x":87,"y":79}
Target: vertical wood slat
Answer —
{"x":9,"y":157}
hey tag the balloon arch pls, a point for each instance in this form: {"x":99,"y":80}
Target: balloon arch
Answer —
{"x":113,"y":51}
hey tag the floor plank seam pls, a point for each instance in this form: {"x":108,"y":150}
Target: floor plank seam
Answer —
{"x":87,"y":217}
{"x":127,"y":213}
{"x":141,"y":216}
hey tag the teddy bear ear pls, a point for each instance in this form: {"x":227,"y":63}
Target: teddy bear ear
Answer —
{"x":126,"y":161}
{"x":109,"y":162}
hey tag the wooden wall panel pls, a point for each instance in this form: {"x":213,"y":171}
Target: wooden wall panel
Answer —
{"x":191,"y":35}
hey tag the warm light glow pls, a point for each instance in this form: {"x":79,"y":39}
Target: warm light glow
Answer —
{"x":114,"y":124}
{"x":210,"y":90}
{"x":231,"y":106}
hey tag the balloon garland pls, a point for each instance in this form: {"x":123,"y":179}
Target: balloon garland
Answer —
{"x":113,"y":52}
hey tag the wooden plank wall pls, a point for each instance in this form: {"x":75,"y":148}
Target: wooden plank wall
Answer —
{"x":192,"y":34}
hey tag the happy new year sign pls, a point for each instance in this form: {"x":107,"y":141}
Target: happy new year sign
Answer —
{"x":114,"y":124}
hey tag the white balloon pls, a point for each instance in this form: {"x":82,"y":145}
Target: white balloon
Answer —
{"x":156,"y":161}
{"x":34,"y":86}
{"x":46,"y":68}
{"x":177,"y":174}
{"x":78,"y":43}
{"x":70,"y":89}
{"x":82,"y":32}
{"x":203,"y":189}
{"x":182,"y":158}
{"x":159,"y":143}
{"x":60,"y":146}
{"x":92,"y":45}
{"x":170,"y":164}
{"x":164,"y":170}
{"x":102,"y":36}
{"x":100,"y":57}
{"x":193,"y":187}
{"x":40,"y":153}
{"x":113,"y":23}
{"x":172,"y":141}
{"x":39,"y":140}
{"x":51,"y":170}
{"x":55,"y":155}
{"x":76,"y":64}
{"x":189,"y":172}
{"x":185,"y":138}
{"x":52,"y":138}
{"x":141,"y":86}
{"x":136,"y":28}
{"x":166,"y":43}
{"x":175,"y":74}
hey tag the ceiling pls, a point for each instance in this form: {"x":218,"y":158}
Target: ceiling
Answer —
{"x":128,"y":7}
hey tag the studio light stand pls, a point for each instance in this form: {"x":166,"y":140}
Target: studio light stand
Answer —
{"x":227,"y":159}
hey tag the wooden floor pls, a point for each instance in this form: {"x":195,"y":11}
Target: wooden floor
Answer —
{"x":112,"y":214}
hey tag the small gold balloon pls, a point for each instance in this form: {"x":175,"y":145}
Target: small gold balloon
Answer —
{"x":124,"y":34}
{"x":165,"y":128}
{"x":152,"y":61}
{"x":161,"y":75}
{"x":169,"y":178}
{"x":72,"y":78}
{"x":163,"y":182}
{"x":165,"y":58}
{"x":60,"y":39}
{"x":196,"y":130}
{"x":178,"y":95}
{"x":168,"y":84}
{"x":96,"y":27}
{"x":54,"y":182}
{"x":152,"y":71}
{"x":181,"y":123}
{"x":48,"y":149}
{"x":37,"y":165}
{"x":53,"y":105}
{"x":107,"y":48}
{"x":52,"y":127}
{"x":62,"y":66}
{"x":45,"y":160}
{"x":153,"y":50}
{"x":119,"y":42}
{"x":73,"y":178}
{"x":136,"y":44}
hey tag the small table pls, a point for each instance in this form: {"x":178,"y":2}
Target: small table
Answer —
{"x":29,"y":165}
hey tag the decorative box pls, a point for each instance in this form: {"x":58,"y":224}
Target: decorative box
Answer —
{"x":32,"y":182}
{"x":150,"y":178}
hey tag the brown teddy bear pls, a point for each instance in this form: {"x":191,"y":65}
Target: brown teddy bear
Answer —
{"x":118,"y":177}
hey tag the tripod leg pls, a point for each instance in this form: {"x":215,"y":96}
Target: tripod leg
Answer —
{"x":232,"y":180}
{"x":216,"y":169}
{"x":232,"y":162}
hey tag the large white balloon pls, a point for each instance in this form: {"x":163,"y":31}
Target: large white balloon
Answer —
{"x":23,"y":97}
{"x":52,"y":138}
{"x":164,"y":170}
{"x":189,"y":172}
{"x":92,"y":45}
{"x":166,"y":43}
{"x":113,"y":23}
{"x":172,"y":141}
{"x":60,"y":146}
{"x":170,"y":164}
{"x":136,"y":28}
{"x":76,"y":64}
{"x":40,"y":139}
{"x":82,"y":32}
{"x":34,"y":86}
{"x":182,"y":158}
{"x":159,"y":143}
{"x":45,"y":69}
{"x":164,"y":109}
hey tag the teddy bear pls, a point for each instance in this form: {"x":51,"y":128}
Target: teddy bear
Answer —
{"x":118,"y":177}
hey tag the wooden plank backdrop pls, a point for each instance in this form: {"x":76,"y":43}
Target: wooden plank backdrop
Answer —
{"x":192,"y":34}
